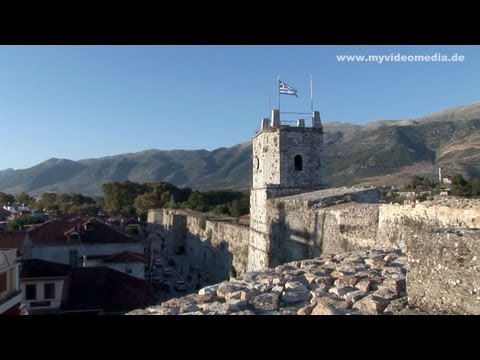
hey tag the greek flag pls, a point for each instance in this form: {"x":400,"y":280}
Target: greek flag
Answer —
{"x":286,"y":89}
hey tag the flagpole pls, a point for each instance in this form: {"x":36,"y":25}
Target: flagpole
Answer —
{"x":311,"y":91}
{"x":278,"y":87}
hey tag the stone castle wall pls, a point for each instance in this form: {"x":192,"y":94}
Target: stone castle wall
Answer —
{"x":259,"y":239}
{"x":350,"y":227}
{"x":207,"y":250}
{"x":308,"y":224}
{"x":444,"y":271}
{"x":397,"y":222}
{"x":443,"y":267}
{"x":304,"y":227}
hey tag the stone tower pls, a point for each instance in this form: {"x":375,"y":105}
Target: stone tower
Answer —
{"x":287,"y":160}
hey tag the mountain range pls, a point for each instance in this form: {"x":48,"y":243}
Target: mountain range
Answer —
{"x":380,"y":152}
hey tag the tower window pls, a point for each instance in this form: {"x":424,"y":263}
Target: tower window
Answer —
{"x":298,"y":162}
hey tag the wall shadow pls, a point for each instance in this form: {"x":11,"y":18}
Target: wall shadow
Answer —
{"x":289,"y":244}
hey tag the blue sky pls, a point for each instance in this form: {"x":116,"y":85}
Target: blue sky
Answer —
{"x":79,"y":102}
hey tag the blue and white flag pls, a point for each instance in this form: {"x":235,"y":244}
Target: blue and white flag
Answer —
{"x":286,"y":89}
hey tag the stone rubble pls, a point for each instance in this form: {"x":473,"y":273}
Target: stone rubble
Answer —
{"x":357,"y":283}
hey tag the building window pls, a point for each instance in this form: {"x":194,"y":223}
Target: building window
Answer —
{"x":73,"y":258}
{"x":73,"y":236}
{"x":49,"y":291}
{"x":31,"y":292}
{"x":298,"y":163}
{"x":3,"y":282}
{"x":89,"y":227}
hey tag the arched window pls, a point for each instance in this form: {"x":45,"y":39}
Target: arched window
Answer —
{"x":298,"y":162}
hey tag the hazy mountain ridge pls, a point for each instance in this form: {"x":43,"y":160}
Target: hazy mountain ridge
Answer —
{"x":378,"y":152}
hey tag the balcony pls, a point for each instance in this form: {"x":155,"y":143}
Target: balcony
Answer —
{"x":10,"y":300}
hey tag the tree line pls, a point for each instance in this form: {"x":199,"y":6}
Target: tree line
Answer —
{"x":133,"y":199}
{"x":52,"y":202}
{"x":460,"y":186}
{"x":465,"y":188}
{"x":130,"y":198}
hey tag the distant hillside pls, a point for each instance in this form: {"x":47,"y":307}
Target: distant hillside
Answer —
{"x":200,"y":169}
{"x":389,"y":152}
{"x":381,"y":152}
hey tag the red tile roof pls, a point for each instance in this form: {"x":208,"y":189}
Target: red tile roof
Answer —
{"x":14,"y":310}
{"x":107,"y":289}
{"x":126,"y":256}
{"x":36,"y":268}
{"x":56,"y":232}
{"x":12,"y":240}
{"x":5,"y":212}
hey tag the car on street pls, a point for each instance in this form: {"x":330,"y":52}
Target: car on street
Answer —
{"x":167,"y":272}
{"x":180,"y":285}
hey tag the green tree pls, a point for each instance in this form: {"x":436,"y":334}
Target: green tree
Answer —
{"x":417,"y":181}
{"x":119,"y":197}
{"x":240,"y":206}
{"x":19,"y":223}
{"x":64,"y":203}
{"x":80,"y":199}
{"x":158,"y":195}
{"x":221,"y":210}
{"x":145,"y":202}
{"x":84,"y":209}
{"x":475,"y":183}
{"x":460,"y":186}
{"x":197,"y":202}
{"x":47,"y":201}
{"x":25,"y":199}
{"x":100,"y":201}
{"x":6,"y":199}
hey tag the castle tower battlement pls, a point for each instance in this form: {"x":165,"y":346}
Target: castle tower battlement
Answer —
{"x":289,"y":157}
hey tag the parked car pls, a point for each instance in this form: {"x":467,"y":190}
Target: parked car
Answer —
{"x":180,"y":285}
{"x":158,"y":261}
{"x":167,"y":272}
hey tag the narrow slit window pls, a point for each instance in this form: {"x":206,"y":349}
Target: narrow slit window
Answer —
{"x":298,"y":162}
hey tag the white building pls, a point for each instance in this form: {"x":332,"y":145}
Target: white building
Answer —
{"x":43,"y":285}
{"x":10,"y":293}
